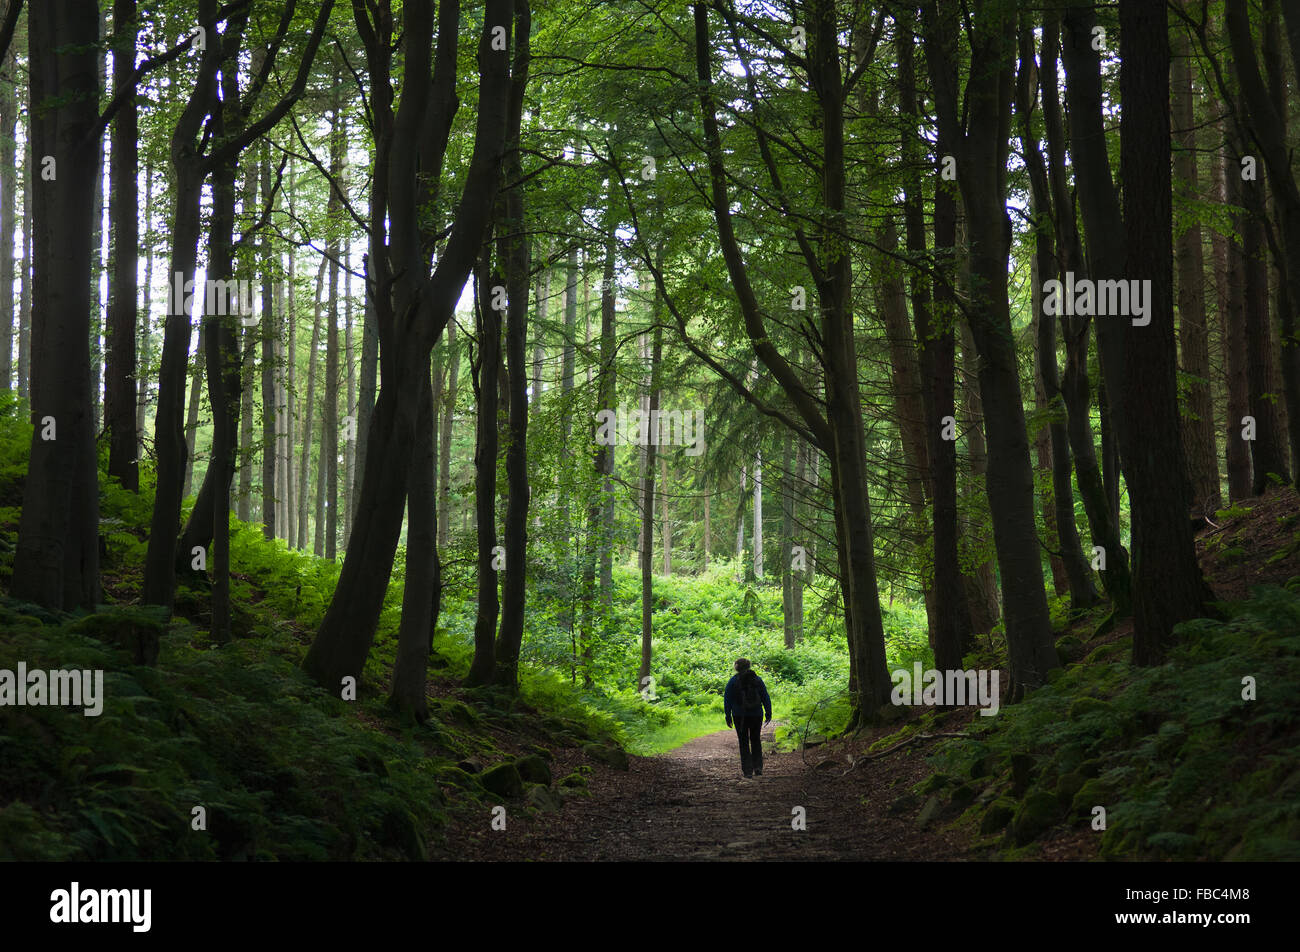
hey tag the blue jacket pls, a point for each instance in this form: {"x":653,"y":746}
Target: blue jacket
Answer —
{"x":731,"y":699}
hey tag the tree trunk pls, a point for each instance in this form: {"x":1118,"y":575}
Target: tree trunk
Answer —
{"x":1268,"y":127}
{"x":146,"y":324}
{"x":57,"y":560}
{"x":1167,"y":579}
{"x":648,"y":514}
{"x":1230,"y":278}
{"x":514,"y":251}
{"x":192,"y":410}
{"x":8,"y":207}
{"x":787,"y":540}
{"x":247,"y":266}
{"x":950,"y":633}
{"x":486,"y":373}
{"x":981,"y":164}
{"x":25,"y":295}
{"x":415,"y":630}
{"x":308,"y":414}
{"x":1193,"y":329}
{"x":444,"y":443}
{"x":329,"y":443}
{"x":1058,"y":517}
{"x":269,"y":328}
{"x":666,"y":526}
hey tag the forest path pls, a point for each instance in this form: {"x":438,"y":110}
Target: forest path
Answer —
{"x":693,"y":803}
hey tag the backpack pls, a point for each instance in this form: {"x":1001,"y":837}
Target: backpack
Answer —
{"x":750,"y":698}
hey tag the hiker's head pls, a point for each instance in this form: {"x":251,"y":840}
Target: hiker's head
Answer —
{"x":742,"y":665}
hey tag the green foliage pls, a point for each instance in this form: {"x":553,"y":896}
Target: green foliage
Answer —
{"x":1185,"y":767}
{"x":239,"y":731}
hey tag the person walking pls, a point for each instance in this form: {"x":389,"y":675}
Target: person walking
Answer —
{"x":746,"y":701}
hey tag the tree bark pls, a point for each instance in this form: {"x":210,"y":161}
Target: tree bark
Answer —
{"x":57,"y":560}
{"x":8,"y":206}
{"x":1198,"y":417}
{"x":1167,"y":578}
{"x":981,"y":176}
{"x":933,"y":314}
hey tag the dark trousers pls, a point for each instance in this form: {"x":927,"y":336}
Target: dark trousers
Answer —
{"x":750,"y":730}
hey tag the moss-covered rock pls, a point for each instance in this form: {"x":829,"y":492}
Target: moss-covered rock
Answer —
{"x":1069,"y":648}
{"x":1095,"y":792}
{"x":1067,"y":787}
{"x":928,"y":813}
{"x":574,"y":780}
{"x":533,"y":769}
{"x":543,"y":798}
{"x":998,"y":815}
{"x":135,"y":629}
{"x":962,"y":794}
{"x":503,"y":780}
{"x":1036,"y":815}
{"x":932,"y":783}
{"x":615,"y":757}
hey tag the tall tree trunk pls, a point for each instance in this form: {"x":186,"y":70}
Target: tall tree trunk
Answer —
{"x":25,"y":295}
{"x":98,"y":268}
{"x":270,"y":329}
{"x":1230,"y":280}
{"x":1193,"y":329}
{"x":1268,"y":128}
{"x":444,"y":441}
{"x":787,"y":540}
{"x":291,"y":402}
{"x":707,"y":534}
{"x":1058,"y":517}
{"x":146,"y":324}
{"x":415,"y":630}
{"x":1104,"y":229}
{"x":192,"y":410}
{"x":1167,"y":579}
{"x":308,"y":413}
{"x":608,"y":295}
{"x":905,"y":375}
{"x":950,"y":633}
{"x":981,"y":583}
{"x":981,"y":175}
{"x":648,"y":513}
{"x":247,"y":266}
{"x":486,"y":442}
{"x":350,"y":443}
{"x":8,"y":207}
{"x":758,"y":515}
{"x":1268,"y":450}
{"x":330,"y":425}
{"x":666,"y":525}
{"x":172,"y":451}
{"x":57,"y":560}
{"x":514,"y":248}
{"x":425,"y":302}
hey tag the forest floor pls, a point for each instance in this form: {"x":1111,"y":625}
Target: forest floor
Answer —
{"x":693,"y":803}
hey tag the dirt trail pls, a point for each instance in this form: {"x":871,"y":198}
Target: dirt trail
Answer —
{"x":693,"y":803}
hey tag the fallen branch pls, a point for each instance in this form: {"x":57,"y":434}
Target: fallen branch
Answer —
{"x":901,"y":744}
